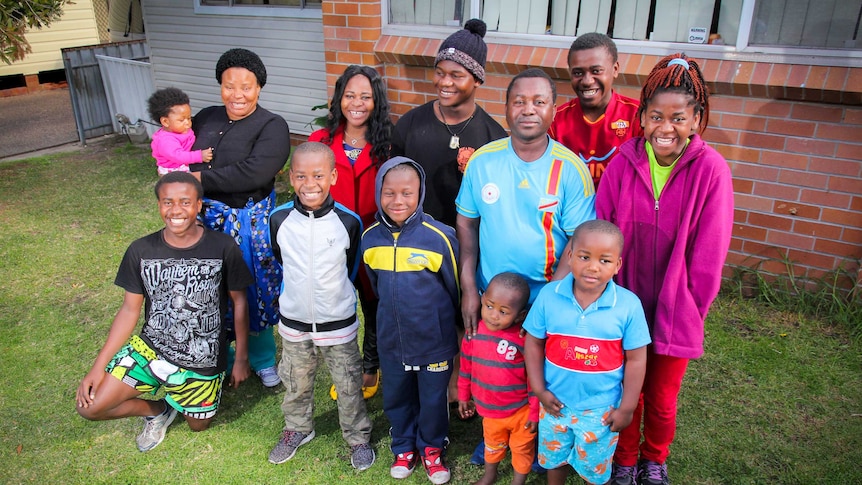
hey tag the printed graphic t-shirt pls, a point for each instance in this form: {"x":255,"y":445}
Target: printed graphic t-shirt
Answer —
{"x":186,"y":296}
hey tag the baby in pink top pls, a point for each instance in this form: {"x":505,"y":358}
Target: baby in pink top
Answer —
{"x":173,"y":141}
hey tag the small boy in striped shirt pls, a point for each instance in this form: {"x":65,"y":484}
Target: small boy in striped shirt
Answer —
{"x":493,"y":374}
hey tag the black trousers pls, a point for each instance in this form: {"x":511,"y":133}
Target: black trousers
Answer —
{"x":370,"y":357}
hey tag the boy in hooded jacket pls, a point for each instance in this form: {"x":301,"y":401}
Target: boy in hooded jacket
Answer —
{"x":412,"y":264}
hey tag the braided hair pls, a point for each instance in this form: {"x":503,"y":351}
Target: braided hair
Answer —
{"x":679,"y":74}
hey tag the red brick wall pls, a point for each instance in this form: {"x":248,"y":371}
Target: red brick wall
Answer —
{"x":350,"y":29}
{"x":792,"y":134}
{"x":797,"y":170}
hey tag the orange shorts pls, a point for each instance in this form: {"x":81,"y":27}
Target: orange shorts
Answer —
{"x":510,"y":432}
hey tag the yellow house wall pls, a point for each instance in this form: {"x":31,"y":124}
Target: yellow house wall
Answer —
{"x":77,"y":27}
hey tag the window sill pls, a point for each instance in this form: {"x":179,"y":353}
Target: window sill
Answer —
{"x":779,"y":55}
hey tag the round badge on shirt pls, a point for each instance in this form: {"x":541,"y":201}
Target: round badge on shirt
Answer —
{"x":490,"y":193}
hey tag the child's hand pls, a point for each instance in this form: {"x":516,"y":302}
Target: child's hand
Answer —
{"x":466,"y":409}
{"x":617,"y":419}
{"x":241,"y":371}
{"x":87,"y":389}
{"x":207,"y":154}
{"x":550,"y":403}
{"x":531,"y":426}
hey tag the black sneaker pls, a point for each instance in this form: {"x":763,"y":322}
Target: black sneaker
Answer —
{"x":651,"y":473}
{"x":623,"y":475}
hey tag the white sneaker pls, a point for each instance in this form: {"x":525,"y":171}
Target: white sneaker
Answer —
{"x":155,"y":428}
{"x":269,"y":376}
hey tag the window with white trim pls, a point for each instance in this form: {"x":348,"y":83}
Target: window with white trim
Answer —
{"x":261,"y":8}
{"x":820,"y":24}
{"x":263,"y":3}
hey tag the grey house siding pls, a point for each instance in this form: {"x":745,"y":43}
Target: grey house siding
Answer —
{"x":185,"y":46}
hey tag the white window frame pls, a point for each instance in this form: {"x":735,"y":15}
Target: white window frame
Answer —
{"x":739,"y":50}
{"x":283,"y":11}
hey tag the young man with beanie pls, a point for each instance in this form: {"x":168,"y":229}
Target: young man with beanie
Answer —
{"x":442,"y":134}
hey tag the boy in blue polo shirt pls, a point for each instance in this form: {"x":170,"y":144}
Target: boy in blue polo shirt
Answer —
{"x":585,"y":353}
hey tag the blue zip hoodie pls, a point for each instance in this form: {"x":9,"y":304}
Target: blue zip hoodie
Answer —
{"x":414,"y":271}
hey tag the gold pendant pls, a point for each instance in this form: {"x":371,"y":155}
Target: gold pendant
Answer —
{"x":454,"y":142}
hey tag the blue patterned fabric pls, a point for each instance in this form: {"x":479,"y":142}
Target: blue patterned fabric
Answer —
{"x":249,"y":227}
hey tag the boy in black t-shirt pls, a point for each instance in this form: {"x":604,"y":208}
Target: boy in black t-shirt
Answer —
{"x":183,"y":275}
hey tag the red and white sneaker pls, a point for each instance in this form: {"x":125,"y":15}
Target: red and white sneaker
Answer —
{"x":434,"y":467}
{"x":403,"y":465}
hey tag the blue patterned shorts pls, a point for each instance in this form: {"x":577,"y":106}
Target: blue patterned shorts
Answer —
{"x":580,"y":439}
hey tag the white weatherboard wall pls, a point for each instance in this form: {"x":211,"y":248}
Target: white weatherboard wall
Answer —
{"x":75,"y":28}
{"x":184,"y":48}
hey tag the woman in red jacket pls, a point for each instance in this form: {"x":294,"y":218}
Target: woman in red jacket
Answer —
{"x":358,"y":130}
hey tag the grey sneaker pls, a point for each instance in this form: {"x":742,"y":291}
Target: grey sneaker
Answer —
{"x":154,"y":428}
{"x":362,"y":456}
{"x":269,"y":376}
{"x":287,"y":445}
{"x":623,"y":475}
{"x":651,"y":473}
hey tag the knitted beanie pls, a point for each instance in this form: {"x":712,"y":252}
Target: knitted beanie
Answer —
{"x":467,"y":48}
{"x":241,"y":58}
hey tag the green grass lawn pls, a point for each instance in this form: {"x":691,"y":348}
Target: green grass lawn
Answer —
{"x":777,"y":398}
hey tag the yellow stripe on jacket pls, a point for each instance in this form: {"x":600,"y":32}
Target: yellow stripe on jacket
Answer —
{"x":386,"y":258}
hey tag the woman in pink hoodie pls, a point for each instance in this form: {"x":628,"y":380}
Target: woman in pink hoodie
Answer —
{"x":672,"y":196}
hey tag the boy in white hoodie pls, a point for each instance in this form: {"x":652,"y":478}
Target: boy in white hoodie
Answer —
{"x":316,"y":241}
